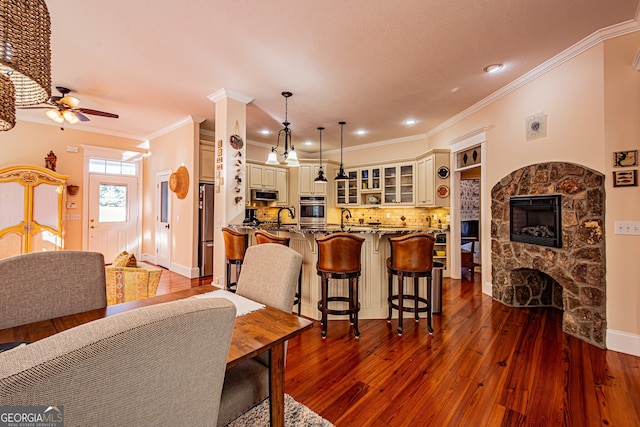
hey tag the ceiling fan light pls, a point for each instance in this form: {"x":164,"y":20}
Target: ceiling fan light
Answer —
{"x":55,"y":115}
{"x":70,"y":101}
{"x":70,"y":117}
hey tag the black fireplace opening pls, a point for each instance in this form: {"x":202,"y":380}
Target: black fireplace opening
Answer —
{"x":536,"y":220}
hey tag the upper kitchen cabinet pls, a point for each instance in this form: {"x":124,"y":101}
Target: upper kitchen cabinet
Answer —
{"x":262,"y":177}
{"x":347,"y":190}
{"x":370,"y":186}
{"x":282,"y":186}
{"x":432,"y":183}
{"x":307,"y":175}
{"x":207,"y":162}
{"x":398,"y":184}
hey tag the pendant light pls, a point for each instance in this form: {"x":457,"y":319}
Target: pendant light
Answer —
{"x":341,"y":175}
{"x":291,"y":157}
{"x":320,"y":179}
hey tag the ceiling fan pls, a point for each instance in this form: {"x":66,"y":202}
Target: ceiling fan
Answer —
{"x":65,"y":107}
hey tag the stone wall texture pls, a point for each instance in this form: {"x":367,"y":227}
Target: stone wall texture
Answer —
{"x":572,"y":277}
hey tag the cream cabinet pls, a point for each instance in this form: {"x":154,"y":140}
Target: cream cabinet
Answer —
{"x":306,"y":177}
{"x":207,"y":163}
{"x":426,"y":191}
{"x":33,"y":210}
{"x":347,"y":190}
{"x":262,"y":177}
{"x":398,"y":184}
{"x":282,"y":186}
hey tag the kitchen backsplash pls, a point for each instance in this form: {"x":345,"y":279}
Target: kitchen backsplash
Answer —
{"x":414,"y":217}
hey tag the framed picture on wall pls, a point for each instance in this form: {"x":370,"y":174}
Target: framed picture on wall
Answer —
{"x":625,"y":158}
{"x":628,"y":178}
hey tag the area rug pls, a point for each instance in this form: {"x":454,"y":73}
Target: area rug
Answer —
{"x":295,"y":415}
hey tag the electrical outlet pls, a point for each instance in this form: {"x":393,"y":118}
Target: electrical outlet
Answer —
{"x":626,"y":227}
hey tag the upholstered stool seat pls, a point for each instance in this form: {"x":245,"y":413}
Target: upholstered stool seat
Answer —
{"x":411,"y":256}
{"x":235,"y":245}
{"x":264,"y":237}
{"x":339,"y":258}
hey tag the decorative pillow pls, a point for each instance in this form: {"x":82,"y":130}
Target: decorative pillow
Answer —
{"x":121,"y":259}
{"x":130,"y":261}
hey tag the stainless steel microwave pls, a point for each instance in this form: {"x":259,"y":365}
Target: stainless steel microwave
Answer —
{"x":264,"y":195}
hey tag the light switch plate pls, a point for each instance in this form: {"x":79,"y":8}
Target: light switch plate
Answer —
{"x":626,"y":227}
{"x":536,"y":126}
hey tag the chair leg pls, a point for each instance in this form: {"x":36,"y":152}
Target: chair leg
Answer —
{"x":325,"y":285}
{"x":390,"y":295}
{"x":400,"y":302}
{"x":429,"y":302}
{"x":415,"y":301}
{"x":228,"y":285}
{"x":354,"y":305}
{"x":299,"y":295}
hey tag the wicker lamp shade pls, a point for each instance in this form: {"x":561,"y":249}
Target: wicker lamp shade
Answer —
{"x":7,"y":103}
{"x":25,"y":49}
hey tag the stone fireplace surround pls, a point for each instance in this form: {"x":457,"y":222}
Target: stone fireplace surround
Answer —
{"x":571,"y":278}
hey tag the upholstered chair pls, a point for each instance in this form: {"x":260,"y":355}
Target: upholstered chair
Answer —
{"x":44,"y":285}
{"x":158,"y":365}
{"x":269,"y":276}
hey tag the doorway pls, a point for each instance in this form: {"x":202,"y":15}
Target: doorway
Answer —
{"x":163,"y":220}
{"x":113,"y":215}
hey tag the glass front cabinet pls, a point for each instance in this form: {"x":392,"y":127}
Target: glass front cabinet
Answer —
{"x":398,"y":184}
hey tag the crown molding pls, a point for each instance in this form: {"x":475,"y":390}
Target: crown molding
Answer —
{"x":174,"y":126}
{"x":224,"y":93}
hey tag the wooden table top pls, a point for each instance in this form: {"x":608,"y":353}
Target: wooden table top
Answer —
{"x":253,"y":333}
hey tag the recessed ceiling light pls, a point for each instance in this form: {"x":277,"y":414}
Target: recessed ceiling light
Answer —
{"x":265,"y":132}
{"x":308,"y":143}
{"x":361,"y":132}
{"x":455,"y":89}
{"x":410,"y":122}
{"x":493,"y":68}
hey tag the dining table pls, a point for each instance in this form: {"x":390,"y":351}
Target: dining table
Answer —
{"x":262,"y":330}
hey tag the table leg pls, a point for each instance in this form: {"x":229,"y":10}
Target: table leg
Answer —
{"x":276,"y":385}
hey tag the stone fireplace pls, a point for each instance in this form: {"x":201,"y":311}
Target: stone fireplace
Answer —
{"x":570,"y":277}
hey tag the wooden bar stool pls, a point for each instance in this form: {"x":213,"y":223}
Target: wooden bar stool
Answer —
{"x":339,"y":258}
{"x":235,"y":245}
{"x":411,"y":256}
{"x":264,"y":237}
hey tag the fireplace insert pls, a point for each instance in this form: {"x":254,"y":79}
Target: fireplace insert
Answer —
{"x":536,"y":220}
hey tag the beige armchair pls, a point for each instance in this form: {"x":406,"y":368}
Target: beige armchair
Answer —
{"x":159,"y":365}
{"x":269,"y":276}
{"x":45,"y":285}
{"x":126,"y":284}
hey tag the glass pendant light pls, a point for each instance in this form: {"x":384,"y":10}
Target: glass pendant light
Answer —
{"x":290,"y":157}
{"x":320,"y":179}
{"x":341,"y":175}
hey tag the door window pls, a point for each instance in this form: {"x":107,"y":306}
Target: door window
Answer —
{"x":113,"y":203}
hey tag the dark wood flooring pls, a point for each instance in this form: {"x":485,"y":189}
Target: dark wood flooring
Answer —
{"x":485,"y":365}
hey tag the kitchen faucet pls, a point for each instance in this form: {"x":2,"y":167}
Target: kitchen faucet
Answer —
{"x":342,"y":217}
{"x":291,"y":213}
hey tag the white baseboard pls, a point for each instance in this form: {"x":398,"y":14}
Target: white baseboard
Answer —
{"x":623,"y":342}
{"x":190,"y":272}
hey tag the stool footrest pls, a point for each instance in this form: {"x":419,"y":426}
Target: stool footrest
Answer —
{"x":410,"y":307}
{"x":337,"y":311}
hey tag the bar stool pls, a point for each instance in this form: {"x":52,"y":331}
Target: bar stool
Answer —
{"x":411,"y":256}
{"x":339,"y":258}
{"x":264,"y":237}
{"x":235,"y":245}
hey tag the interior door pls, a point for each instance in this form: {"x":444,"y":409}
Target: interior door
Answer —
{"x":163,"y":221}
{"x":113,"y":215}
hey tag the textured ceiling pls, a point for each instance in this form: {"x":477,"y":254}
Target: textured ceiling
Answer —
{"x":371,"y":63}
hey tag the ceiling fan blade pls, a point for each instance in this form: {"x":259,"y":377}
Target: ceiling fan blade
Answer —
{"x":96,"y":113}
{"x":35,"y":108}
{"x":81,"y":116}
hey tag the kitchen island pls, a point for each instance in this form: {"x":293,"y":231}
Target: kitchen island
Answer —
{"x":375,"y":251}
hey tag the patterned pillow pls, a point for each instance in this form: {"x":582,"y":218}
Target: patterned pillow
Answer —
{"x":130,"y":261}
{"x":121,"y":259}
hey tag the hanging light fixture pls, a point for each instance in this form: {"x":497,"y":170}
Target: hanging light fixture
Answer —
{"x":25,"y":50}
{"x":291,"y":157}
{"x":341,"y":175}
{"x":320,"y":179}
{"x":7,"y":104}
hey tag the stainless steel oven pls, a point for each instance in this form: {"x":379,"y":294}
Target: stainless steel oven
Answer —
{"x":312,"y":212}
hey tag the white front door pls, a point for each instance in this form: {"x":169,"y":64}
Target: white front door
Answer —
{"x":163,"y":221}
{"x":113,"y":215}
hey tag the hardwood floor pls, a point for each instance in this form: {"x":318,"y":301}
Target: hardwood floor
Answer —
{"x":485,"y":365}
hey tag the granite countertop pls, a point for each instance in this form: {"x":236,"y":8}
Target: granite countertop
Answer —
{"x":334,"y":228}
